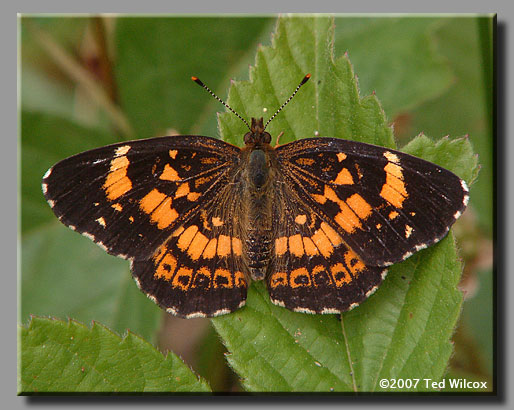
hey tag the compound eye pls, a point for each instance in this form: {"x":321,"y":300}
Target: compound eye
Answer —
{"x":266,"y":138}
{"x":248,"y":138}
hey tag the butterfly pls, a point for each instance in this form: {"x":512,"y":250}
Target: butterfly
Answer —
{"x":318,"y":219}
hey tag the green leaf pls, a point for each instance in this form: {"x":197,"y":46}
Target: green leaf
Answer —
{"x":66,"y":275}
{"x":274,"y":349}
{"x":69,"y":357}
{"x":396,"y":58}
{"x":156,"y":58}
{"x":404,"y":329}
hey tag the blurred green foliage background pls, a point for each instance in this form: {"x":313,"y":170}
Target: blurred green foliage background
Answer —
{"x":90,"y":81}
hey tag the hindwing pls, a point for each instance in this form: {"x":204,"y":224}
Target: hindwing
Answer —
{"x":312,"y":269}
{"x":199,"y":271}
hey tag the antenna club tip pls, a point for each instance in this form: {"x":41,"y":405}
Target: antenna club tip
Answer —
{"x":305,"y":79}
{"x":197,"y":80}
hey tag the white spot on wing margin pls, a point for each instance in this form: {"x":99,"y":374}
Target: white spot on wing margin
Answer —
{"x":47,"y":173}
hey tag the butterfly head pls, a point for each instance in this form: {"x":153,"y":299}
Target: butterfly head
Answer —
{"x":257,"y":136}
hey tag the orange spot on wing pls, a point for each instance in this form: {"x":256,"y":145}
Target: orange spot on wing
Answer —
{"x":118,"y":188}
{"x":353,"y":263}
{"x":117,"y":183}
{"x":343,"y":178}
{"x":117,"y":207}
{"x":322,"y":243}
{"x":393,"y":191}
{"x":202,"y":275}
{"x":397,"y":184}
{"x":394,"y":169}
{"x":278,"y":279}
{"x":164,"y":215}
{"x":296,"y":275}
{"x":223,"y":278}
{"x":169,"y":174}
{"x":114,"y":176}
{"x":216,"y":221}
{"x":197,"y":246}
{"x":173,"y":153}
{"x":240,"y":280}
{"x":341,"y":156}
{"x":119,"y":162}
{"x":393,"y":214}
{"x":193,"y":196}
{"x":340,"y":274}
{"x":237,"y":246}
{"x":296,"y":245}
{"x":332,"y":235}
{"x":182,"y":278}
{"x":166,"y":266}
{"x":391,"y":195}
{"x":182,"y":190}
{"x":186,"y":237}
{"x":360,"y":206}
{"x":310,"y":248}
{"x":151,"y":201}
{"x":223,"y":245}
{"x":346,"y":219}
{"x":210,"y":250}
{"x":281,"y":245}
{"x":301,"y":219}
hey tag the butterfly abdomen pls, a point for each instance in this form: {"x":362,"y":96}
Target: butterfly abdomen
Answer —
{"x":258,"y":247}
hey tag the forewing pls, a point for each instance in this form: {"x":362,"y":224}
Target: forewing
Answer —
{"x":130,"y":197}
{"x":312,"y":269}
{"x":383,"y":203}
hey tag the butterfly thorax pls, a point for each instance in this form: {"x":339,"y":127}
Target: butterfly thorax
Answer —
{"x":258,"y":196}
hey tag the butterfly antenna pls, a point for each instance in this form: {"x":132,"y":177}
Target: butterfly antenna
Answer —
{"x":305,"y":79}
{"x":199,"y":82}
